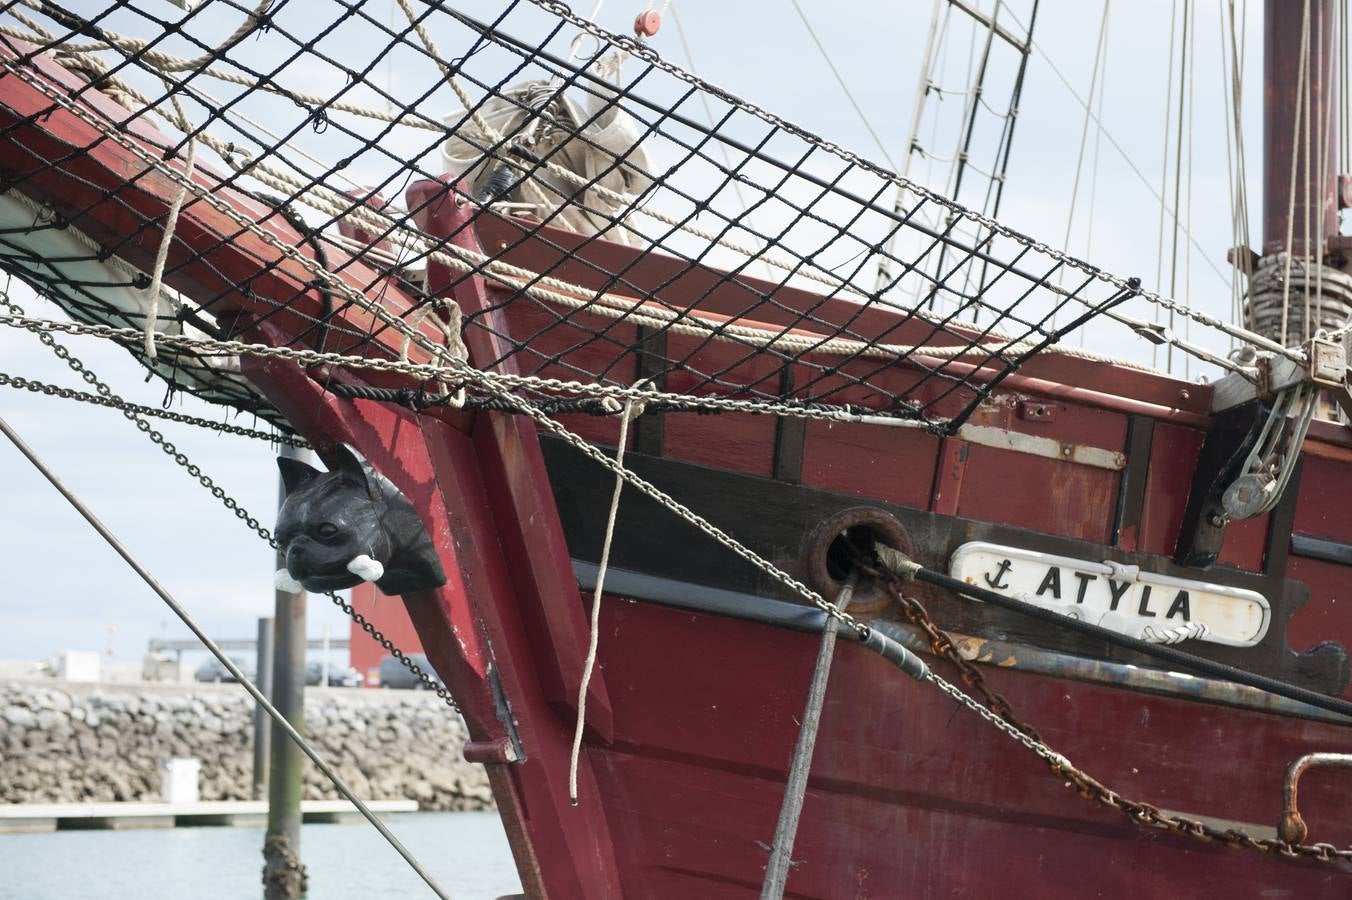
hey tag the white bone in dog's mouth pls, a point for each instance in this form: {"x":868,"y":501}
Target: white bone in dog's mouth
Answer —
{"x":284,"y":582}
{"x":366,"y":568}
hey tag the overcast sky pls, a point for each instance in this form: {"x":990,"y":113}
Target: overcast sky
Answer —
{"x":64,"y":589}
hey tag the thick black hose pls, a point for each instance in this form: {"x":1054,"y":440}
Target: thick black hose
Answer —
{"x":1158,"y":651}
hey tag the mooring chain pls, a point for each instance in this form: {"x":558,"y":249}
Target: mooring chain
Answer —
{"x":157,"y":438}
{"x":942,"y":645}
{"x":55,"y":390}
{"x":998,"y":713}
{"x":494,"y":383}
{"x":427,"y":680}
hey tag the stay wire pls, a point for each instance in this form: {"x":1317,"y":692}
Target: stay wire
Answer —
{"x":220,"y":655}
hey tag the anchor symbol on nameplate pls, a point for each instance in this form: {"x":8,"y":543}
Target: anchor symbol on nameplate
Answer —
{"x":1004,"y":566}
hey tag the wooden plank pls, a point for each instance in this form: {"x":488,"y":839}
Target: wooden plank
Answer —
{"x":790,"y":437}
{"x":948,"y":475}
{"x":652,"y":365}
{"x":1131,"y":487}
{"x":515,"y":475}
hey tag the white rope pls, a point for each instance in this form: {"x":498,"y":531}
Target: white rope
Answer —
{"x":529,"y":282}
{"x":162,"y":254}
{"x":1302,"y":74}
{"x":450,"y":328}
{"x":824,"y":276}
{"x":632,"y":410}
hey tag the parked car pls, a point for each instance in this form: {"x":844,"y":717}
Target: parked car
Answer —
{"x":394,"y":674}
{"x":214,"y":670}
{"x":339,"y":676}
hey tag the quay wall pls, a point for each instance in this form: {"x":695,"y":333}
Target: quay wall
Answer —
{"x":65,"y":742}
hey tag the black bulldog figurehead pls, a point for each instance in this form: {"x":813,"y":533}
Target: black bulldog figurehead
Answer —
{"x":339,"y":528}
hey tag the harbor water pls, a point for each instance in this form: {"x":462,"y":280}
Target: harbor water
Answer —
{"x":465,"y":852}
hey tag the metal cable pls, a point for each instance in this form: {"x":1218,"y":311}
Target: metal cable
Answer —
{"x":220,"y":655}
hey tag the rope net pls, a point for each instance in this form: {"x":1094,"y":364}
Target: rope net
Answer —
{"x":627,"y":219}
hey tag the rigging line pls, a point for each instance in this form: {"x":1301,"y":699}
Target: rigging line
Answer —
{"x":1084,"y":132}
{"x":1229,"y":173}
{"x":55,"y":390}
{"x":1302,"y":68}
{"x":1241,"y":190}
{"x":1117,"y":146}
{"x":1187,"y":248}
{"x":826,"y":57}
{"x":1094,"y":167}
{"x":1344,"y":119}
{"x":1307,"y":187}
{"x":216,"y":651}
{"x":903,"y":192}
{"x":709,"y":114}
{"x":1178,"y":170}
{"x":1326,"y":68}
{"x":962,"y":152}
{"x":1164,"y":165}
{"x":995,"y":187}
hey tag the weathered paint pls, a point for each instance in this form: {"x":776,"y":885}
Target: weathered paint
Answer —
{"x":684,"y":781}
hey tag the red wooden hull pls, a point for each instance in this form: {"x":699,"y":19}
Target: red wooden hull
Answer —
{"x":692,"y":715}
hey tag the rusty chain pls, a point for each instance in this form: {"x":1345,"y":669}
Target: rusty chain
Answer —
{"x":999,"y":712}
{"x":943,"y":645}
{"x":996,"y":710}
{"x":136,"y":415}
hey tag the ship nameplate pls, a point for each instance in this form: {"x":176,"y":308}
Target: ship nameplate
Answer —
{"x":1125,"y":599}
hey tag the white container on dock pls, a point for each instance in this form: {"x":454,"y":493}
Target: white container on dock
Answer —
{"x":179,"y":780}
{"x":78,"y":665}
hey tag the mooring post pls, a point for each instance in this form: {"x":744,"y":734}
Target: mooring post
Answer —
{"x":262,"y":727}
{"x":283,"y":873}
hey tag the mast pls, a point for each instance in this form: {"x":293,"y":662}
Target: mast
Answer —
{"x":1294,"y":295}
{"x":1303,"y":205}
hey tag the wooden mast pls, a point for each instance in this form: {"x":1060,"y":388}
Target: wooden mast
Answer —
{"x":1286,"y":94}
{"x":1291,"y":300}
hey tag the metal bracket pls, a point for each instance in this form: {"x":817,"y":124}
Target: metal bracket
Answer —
{"x":1236,"y":432}
{"x":1325,"y":366}
{"x":1292,"y":827}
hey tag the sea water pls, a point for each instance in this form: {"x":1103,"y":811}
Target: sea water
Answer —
{"x":466,"y":853}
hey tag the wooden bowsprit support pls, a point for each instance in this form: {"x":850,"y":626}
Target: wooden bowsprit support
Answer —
{"x":510,"y":450}
{"x":480,"y":653}
{"x":532,"y":608}
{"x":503,"y":637}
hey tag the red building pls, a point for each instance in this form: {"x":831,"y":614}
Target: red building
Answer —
{"x":386,"y":614}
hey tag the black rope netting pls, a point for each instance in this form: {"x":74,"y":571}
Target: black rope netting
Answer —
{"x":632,"y":221}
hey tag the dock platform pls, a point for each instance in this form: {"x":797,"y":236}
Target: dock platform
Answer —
{"x":29,"y":817}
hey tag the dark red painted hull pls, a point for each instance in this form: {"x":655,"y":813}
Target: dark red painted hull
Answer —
{"x":692,"y":716}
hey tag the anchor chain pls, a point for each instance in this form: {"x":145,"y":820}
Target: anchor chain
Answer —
{"x":1086,"y":785}
{"x":943,"y":645}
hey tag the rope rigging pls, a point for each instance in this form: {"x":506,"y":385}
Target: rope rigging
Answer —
{"x":537,"y":284}
{"x":551,"y":158}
